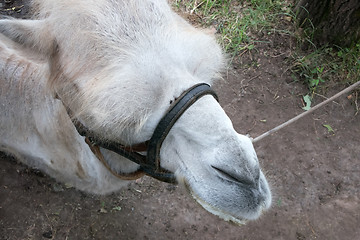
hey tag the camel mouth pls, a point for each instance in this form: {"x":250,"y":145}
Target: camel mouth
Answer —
{"x":231,"y":214}
{"x":213,"y":210}
{"x":229,"y":177}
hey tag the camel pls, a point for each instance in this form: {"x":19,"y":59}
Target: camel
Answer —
{"x":114,"y":68}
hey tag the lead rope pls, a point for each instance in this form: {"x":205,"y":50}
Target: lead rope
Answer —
{"x":348,"y":89}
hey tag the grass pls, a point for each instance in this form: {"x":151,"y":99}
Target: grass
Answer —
{"x":237,"y":22}
{"x":328,"y":64}
{"x":240,"y":23}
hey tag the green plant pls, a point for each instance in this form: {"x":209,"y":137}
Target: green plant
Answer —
{"x":349,"y":63}
{"x":237,"y":22}
{"x":327,"y":64}
{"x":329,"y":128}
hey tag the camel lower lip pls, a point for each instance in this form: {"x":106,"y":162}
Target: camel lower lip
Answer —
{"x":225,"y":216}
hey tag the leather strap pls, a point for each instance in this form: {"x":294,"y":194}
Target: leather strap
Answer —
{"x":149,"y":164}
{"x":175,"y":111}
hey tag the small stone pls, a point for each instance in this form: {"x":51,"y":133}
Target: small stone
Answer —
{"x":47,"y":234}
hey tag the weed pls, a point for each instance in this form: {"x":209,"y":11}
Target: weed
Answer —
{"x":307,"y":100}
{"x":305,"y":30}
{"x":326,"y":64}
{"x":117,"y":208}
{"x":329,"y":128}
{"x":349,"y":63}
{"x":102,"y":207}
{"x":237,"y":22}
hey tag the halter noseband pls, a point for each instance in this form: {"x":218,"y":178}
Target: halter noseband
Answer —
{"x":149,"y":164}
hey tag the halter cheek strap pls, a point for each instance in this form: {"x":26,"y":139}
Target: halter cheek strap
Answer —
{"x":175,"y":111}
{"x":149,"y":164}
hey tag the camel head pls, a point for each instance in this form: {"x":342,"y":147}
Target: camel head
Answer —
{"x":217,"y":165}
{"x":118,"y":65}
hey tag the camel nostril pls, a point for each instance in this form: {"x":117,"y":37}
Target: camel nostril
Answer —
{"x":233,"y":177}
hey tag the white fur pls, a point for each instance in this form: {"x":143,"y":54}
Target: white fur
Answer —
{"x":117,"y":64}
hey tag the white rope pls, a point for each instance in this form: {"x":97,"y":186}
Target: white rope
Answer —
{"x":348,"y":89}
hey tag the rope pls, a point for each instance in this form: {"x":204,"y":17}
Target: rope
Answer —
{"x":348,"y":89}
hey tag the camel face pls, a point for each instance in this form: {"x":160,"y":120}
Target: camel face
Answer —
{"x":219,"y":166}
{"x":118,"y":65}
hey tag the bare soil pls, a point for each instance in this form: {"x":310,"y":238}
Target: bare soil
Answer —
{"x":314,"y":173}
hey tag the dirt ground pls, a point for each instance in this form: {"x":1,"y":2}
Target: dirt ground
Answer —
{"x":314,"y":173}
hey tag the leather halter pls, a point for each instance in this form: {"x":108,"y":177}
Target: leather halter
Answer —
{"x":149,"y":164}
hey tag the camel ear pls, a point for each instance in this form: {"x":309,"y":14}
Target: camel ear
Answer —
{"x":29,"y":33}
